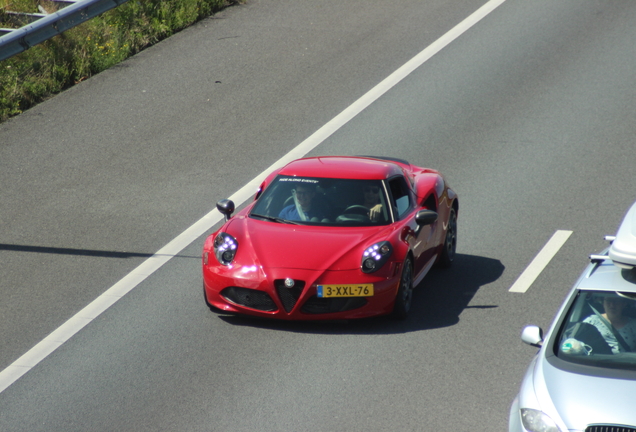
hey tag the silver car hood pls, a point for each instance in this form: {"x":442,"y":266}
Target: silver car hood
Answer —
{"x":582,"y":400}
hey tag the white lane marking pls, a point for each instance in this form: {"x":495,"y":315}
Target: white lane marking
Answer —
{"x":50,"y":343}
{"x":540,"y":262}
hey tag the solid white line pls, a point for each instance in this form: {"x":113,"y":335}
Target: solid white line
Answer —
{"x":134,"y":278}
{"x":540,"y":262}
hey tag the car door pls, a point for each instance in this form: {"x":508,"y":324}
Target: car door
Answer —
{"x":404,"y":209}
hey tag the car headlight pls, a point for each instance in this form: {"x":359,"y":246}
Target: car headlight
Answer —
{"x":375,"y":256}
{"x":225,"y":247}
{"x":537,"y":421}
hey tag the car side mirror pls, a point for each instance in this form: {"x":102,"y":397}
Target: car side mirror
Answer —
{"x":532,"y":335}
{"x":425,"y":217}
{"x":226,"y":207}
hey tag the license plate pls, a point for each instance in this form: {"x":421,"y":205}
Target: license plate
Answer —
{"x":360,"y":290}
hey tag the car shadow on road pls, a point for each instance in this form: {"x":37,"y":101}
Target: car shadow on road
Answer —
{"x":84,"y":252}
{"x":438,"y":302}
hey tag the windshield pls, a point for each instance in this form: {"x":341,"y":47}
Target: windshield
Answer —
{"x":600,"y":330}
{"x":322,"y":201}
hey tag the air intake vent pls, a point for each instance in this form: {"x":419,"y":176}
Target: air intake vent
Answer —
{"x":316,"y":305}
{"x":289,"y":296}
{"x":250,"y":298}
{"x":610,"y":428}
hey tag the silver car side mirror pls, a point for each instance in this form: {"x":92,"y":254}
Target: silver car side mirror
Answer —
{"x":532,"y":335}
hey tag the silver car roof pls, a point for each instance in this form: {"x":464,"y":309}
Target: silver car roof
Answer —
{"x":614,"y":269}
{"x":623,"y":248}
{"x":606,"y":276}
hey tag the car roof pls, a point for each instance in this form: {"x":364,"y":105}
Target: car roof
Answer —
{"x":606,"y":276}
{"x":614,"y":269}
{"x":345,"y":167}
{"x":623,"y":248}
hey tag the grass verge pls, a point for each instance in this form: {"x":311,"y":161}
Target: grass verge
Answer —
{"x":58,"y":63}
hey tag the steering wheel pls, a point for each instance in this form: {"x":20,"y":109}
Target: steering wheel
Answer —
{"x":356,"y":209}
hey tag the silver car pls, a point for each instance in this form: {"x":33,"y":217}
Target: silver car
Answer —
{"x":584,"y":376}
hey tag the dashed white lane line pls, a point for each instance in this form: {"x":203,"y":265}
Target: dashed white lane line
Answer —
{"x":49,"y":344}
{"x":540,"y":262}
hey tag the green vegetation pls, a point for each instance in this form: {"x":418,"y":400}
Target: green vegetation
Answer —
{"x":50,"y":67}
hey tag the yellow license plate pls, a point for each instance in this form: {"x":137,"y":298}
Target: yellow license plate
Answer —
{"x":360,"y":290}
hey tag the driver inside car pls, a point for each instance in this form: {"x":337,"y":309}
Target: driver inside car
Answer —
{"x":618,"y":329}
{"x":372,"y":201}
{"x":304,"y":207}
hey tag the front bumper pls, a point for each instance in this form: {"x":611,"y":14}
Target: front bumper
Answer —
{"x":261,"y":292}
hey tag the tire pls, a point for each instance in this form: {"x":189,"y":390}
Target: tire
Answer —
{"x":404,"y":296}
{"x":447,"y":255}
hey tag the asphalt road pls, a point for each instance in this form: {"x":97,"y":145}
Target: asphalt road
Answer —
{"x":529,"y":114}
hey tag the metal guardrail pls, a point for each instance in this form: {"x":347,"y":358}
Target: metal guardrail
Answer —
{"x":44,"y":26}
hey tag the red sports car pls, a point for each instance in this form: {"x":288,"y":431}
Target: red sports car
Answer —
{"x":332,"y":238}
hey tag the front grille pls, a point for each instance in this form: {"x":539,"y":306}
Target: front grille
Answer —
{"x":610,"y":428}
{"x":289,"y":296}
{"x":250,"y":298}
{"x":317,"y":305}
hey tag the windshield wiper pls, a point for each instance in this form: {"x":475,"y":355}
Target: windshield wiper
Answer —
{"x":274,"y":219}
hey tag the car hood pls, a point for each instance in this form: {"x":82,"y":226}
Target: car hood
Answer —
{"x":277,"y":245}
{"x":582,"y":400}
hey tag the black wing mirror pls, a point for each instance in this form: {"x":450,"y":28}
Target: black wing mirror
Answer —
{"x":425,"y":217}
{"x":226,"y":207}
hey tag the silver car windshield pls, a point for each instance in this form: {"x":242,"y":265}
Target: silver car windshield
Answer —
{"x":322,"y":201}
{"x":600,"y":330}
